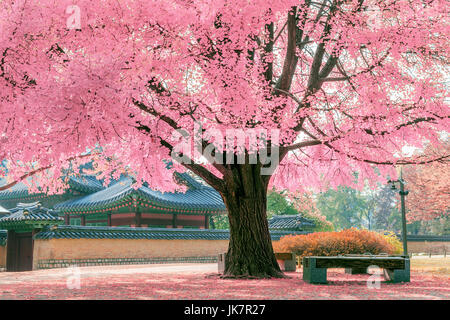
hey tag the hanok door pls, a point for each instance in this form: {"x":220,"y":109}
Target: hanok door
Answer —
{"x":19,"y":251}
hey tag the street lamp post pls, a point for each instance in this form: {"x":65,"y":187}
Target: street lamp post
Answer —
{"x":403,"y":193}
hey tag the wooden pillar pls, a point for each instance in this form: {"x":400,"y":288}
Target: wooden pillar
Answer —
{"x":67,"y":219}
{"x":109,"y":220}
{"x":174,"y":220}
{"x":35,"y":231}
{"x":137,"y":218}
{"x":83,"y":220}
{"x":207,"y":221}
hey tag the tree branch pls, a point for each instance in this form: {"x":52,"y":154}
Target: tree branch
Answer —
{"x":33,"y":172}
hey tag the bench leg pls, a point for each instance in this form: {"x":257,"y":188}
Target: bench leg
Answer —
{"x":356,"y":270}
{"x":290,"y":265}
{"x":398,"y":275}
{"x":311,"y":274}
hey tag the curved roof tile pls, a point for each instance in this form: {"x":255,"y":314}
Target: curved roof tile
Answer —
{"x":30,"y":212}
{"x":197,"y":197}
{"x":290,"y":222}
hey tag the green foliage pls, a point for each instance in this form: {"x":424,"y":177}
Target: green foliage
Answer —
{"x":277,"y":204}
{"x":439,"y":226}
{"x":396,"y":244}
{"x":344,"y":207}
{"x":219,"y":222}
{"x":321,"y":224}
{"x":386,"y":213}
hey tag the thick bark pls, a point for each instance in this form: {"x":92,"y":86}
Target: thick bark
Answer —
{"x":250,"y":252}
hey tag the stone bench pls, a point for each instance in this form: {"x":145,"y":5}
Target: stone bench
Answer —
{"x":397,"y":269}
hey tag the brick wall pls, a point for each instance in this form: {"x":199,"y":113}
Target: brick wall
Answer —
{"x":2,"y":258}
{"x":63,"y":252}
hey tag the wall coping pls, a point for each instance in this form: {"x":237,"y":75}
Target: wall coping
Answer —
{"x":424,"y":237}
{"x":95,"y":232}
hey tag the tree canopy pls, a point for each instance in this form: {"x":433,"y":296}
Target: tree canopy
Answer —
{"x":347,"y":82}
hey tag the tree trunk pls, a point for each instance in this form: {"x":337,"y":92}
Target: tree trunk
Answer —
{"x":250,"y":252}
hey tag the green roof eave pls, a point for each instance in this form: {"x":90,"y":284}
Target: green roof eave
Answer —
{"x":140,"y":204}
{"x":200,"y":200}
{"x":28,"y":224}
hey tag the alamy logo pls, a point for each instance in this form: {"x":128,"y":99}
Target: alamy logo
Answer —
{"x":374,"y":281}
{"x":74,"y":20}
{"x":74,"y":277}
{"x":231,"y":146}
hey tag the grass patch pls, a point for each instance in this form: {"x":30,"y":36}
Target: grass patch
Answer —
{"x":435,"y":266}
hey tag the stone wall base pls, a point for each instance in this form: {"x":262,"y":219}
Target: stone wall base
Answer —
{"x":65,"y":263}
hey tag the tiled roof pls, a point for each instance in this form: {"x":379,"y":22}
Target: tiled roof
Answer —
{"x":29,"y":214}
{"x":197,"y":197}
{"x":189,"y":180}
{"x":18,"y":190}
{"x":4,"y":211}
{"x":85,"y":183}
{"x":290,"y":222}
{"x":82,"y":232}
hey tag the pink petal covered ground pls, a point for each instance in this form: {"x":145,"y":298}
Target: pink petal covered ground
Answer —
{"x":206,"y":285}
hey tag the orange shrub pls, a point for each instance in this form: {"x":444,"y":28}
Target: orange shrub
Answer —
{"x":350,"y":241}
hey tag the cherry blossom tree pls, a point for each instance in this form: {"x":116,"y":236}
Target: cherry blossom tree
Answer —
{"x":329,"y":86}
{"x":429,"y":188}
{"x":306,"y":204}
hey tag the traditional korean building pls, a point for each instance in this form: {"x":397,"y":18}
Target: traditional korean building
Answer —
{"x":291,"y":223}
{"x":34,"y":238}
{"x":25,"y":221}
{"x":91,"y":224}
{"x":88,"y":203}
{"x":4,"y":212}
{"x":79,"y":186}
{"x":122,"y":205}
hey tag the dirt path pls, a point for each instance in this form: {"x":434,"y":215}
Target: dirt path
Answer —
{"x":105,"y":272}
{"x":200,"y":281}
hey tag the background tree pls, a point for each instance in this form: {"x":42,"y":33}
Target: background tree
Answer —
{"x":285,"y":203}
{"x":219,"y":222}
{"x":305,"y":204}
{"x":438,"y":226}
{"x":387,"y":215}
{"x":278,"y":204}
{"x":429,"y":188}
{"x":345,"y":207}
{"x":338,"y":85}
